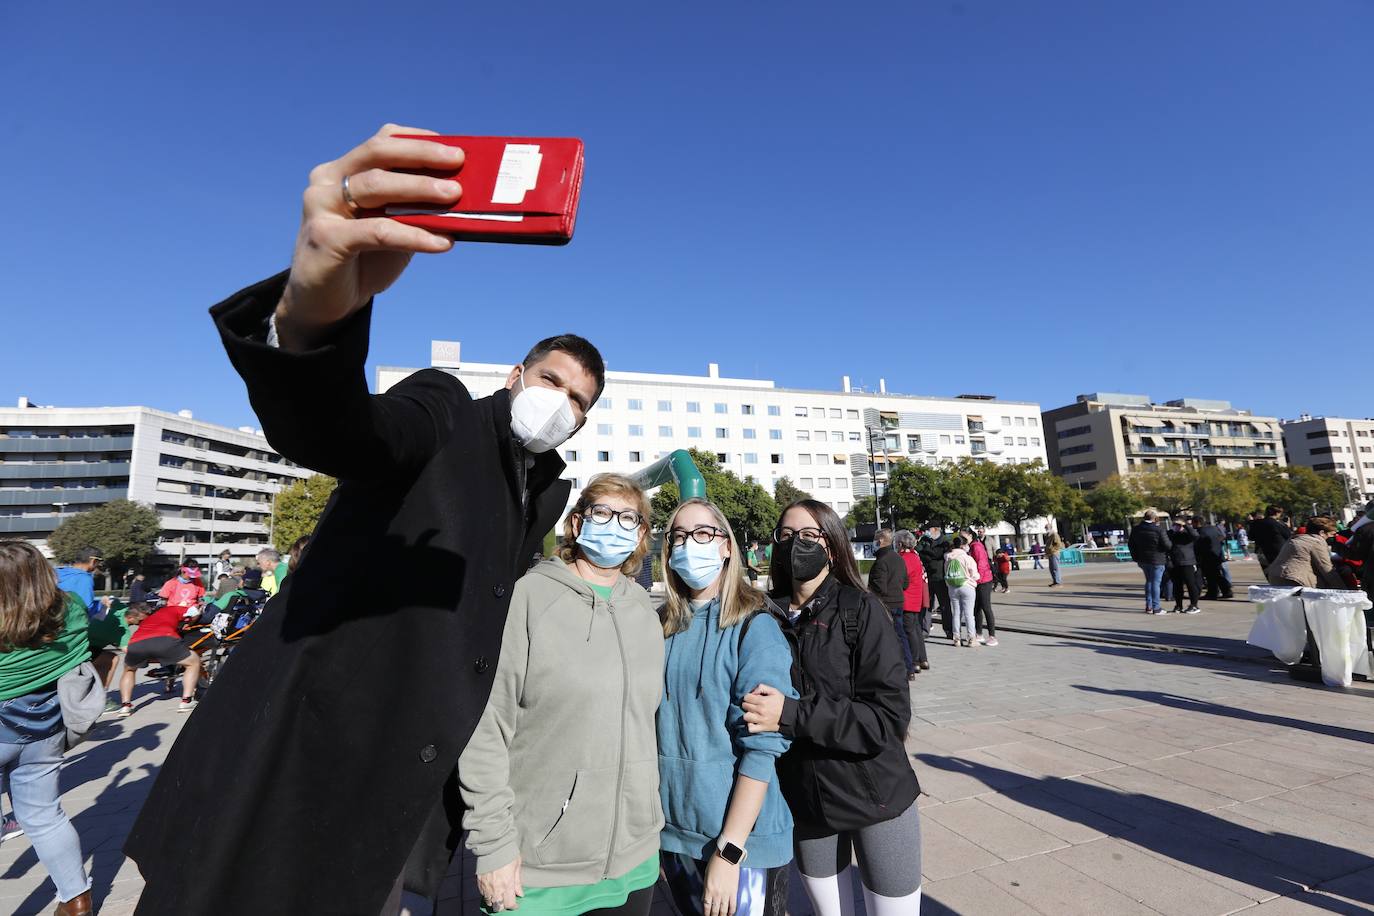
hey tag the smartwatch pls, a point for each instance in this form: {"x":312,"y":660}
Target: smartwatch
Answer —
{"x":730,"y":852}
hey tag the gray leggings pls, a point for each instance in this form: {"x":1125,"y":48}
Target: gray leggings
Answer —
{"x":889,"y":854}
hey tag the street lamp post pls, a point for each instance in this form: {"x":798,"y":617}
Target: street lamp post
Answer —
{"x":873,"y":477}
{"x":213,"y":493}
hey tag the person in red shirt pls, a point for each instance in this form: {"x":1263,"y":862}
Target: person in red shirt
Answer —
{"x":185,"y":589}
{"x":158,"y":639}
{"x":915,"y":601}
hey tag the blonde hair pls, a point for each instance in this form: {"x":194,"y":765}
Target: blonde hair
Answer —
{"x":599,"y":487}
{"x":33,"y":610}
{"x":738,"y":599}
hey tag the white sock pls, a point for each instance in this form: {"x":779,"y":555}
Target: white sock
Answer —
{"x":878,"y":905}
{"x":833,"y":896}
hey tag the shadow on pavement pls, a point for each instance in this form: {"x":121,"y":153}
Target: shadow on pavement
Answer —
{"x":1230,"y":663}
{"x":1281,"y":863}
{"x":127,"y":789}
{"x":1231,"y":712}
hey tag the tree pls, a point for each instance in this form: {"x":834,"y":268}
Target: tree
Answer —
{"x":124,"y":532}
{"x":1296,"y":489}
{"x":861,"y":513}
{"x":785,"y":493}
{"x":748,"y":507}
{"x":1017,"y":493}
{"x":298,"y":507}
{"x":1112,"y":502}
{"x":1072,"y":507}
{"x":1168,"y":488}
{"x":1222,"y":492}
{"x":947,"y":495}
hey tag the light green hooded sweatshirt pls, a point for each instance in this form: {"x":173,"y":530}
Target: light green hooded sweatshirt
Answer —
{"x":563,"y":766}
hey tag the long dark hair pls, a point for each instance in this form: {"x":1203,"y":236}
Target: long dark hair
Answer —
{"x":842,"y":564}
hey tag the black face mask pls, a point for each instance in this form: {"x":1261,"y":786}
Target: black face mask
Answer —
{"x":804,"y":560}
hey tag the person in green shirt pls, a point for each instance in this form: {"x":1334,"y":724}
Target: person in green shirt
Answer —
{"x":43,"y":635}
{"x":274,"y":569}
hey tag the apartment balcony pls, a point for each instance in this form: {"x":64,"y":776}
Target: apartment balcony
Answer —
{"x":84,"y":496}
{"x":29,"y":524}
{"x":64,"y":471}
{"x":78,"y":444}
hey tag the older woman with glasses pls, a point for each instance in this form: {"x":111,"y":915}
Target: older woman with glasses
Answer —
{"x":561,"y":775}
{"x":847,"y":776}
{"x":717,"y":779}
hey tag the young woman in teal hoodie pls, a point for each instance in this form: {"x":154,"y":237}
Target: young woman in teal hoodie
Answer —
{"x":727,"y":837}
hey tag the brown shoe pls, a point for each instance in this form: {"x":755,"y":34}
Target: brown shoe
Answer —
{"x":77,"y":906}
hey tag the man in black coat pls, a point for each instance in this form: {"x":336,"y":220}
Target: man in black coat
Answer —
{"x":1183,"y":567}
{"x":1149,"y":546}
{"x":887,"y":580}
{"x":932,"y":547}
{"x":1269,"y":534}
{"x":1211,"y":558}
{"x":319,"y":775}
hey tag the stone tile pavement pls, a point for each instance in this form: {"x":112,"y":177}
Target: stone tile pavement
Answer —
{"x":1062,"y":774}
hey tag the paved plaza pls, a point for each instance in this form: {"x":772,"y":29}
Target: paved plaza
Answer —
{"x":1099,"y":761}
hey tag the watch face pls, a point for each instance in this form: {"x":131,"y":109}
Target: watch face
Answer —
{"x":731,"y":853}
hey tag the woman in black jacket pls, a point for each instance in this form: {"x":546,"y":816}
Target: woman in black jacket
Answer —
{"x":847,"y":777}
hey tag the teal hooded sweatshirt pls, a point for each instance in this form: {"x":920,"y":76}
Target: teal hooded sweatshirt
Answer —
{"x":703,"y":740}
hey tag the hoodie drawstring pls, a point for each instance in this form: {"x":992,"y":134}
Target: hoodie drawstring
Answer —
{"x":667,"y":666}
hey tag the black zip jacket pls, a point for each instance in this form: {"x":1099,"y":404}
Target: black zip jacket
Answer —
{"x":1149,"y":544}
{"x":932,"y":553}
{"x":888,"y":578}
{"x":1211,"y":545}
{"x":847,"y":767}
{"x":1183,"y":553}
{"x":1269,"y":535}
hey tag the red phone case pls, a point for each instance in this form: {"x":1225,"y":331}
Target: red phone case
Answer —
{"x":515,"y":189}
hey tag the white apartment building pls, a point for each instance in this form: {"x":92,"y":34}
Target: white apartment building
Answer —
{"x":818,"y":439}
{"x":212,"y":485}
{"x":1334,"y":445}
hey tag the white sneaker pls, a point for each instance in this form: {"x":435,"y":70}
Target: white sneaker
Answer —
{"x":125,"y":711}
{"x":186,"y":705}
{"x":1193,"y":610}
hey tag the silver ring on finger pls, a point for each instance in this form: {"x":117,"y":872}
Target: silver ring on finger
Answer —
{"x":348,"y":195}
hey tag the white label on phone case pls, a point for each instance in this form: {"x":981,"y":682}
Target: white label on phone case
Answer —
{"x":519,"y":173}
{"x":494,"y":217}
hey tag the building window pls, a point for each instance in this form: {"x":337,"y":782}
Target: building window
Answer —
{"x":635,"y":457}
{"x":1032,"y":421}
{"x":751,"y":458}
{"x":818,"y":412}
{"x":851,"y":414}
{"x":841,"y":460}
{"x":836,"y":435}
{"x":1035,"y":440}
{"x":820,"y":435}
{"x":1006,"y":421}
{"x":1080,"y":468}
{"x":603,"y":429}
{"x":803,"y":459}
{"x":803,"y":436}
{"x":694,"y":432}
{"x":721,"y":408}
{"x":694,"y":407}
{"x":799,"y":411}
{"x":806,"y":483}
{"x":1020,"y":440}
{"x":665,"y":406}
{"x":774,"y":410}
{"x":823,"y":483}
{"x":570,"y":454}
{"x":636,"y":404}
{"x":958,"y":440}
{"x":747,"y":409}
{"x":836,"y":413}
{"x":722,"y":457}
{"x":1319,"y":434}
{"x":604,"y":402}
{"x":842,"y":507}
{"x":751,"y":434}
{"x":842,"y":483}
{"x":1020,"y":421}
{"x":666,"y":432}
{"x":722,"y":432}
{"x":603,"y":457}
{"x":1078,"y":450}
{"x":1075,"y":431}
{"x":171,"y":461}
{"x":775,"y":458}
{"x":775,"y":434}
{"x":1008,"y":440}
{"x":856,"y":436}
{"x":944,"y":440}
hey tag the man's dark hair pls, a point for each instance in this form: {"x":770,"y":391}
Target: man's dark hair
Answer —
{"x":1196,"y":521}
{"x":1273,"y":512}
{"x":956,"y":541}
{"x":86,"y":554}
{"x":579,"y":348}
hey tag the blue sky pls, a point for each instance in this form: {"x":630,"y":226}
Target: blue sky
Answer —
{"x":1028,"y":199}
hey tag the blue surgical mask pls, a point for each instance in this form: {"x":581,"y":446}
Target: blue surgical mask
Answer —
{"x":608,"y":545}
{"x":696,"y":564}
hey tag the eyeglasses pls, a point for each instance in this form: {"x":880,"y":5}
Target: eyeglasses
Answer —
{"x":629,"y":519}
{"x":702,"y":534}
{"x":781,"y":534}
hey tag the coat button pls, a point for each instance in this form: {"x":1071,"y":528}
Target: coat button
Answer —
{"x":428,"y":753}
{"x":481,"y":665}
{"x":498,"y":590}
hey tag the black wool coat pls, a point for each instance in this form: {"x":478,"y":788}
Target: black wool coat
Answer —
{"x":323,"y":757}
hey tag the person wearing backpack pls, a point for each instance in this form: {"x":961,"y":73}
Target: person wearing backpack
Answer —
{"x":961,"y":577}
{"x":847,"y":776}
{"x":727,"y":836}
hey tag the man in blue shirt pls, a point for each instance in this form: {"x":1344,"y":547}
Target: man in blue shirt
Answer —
{"x":78,"y":578}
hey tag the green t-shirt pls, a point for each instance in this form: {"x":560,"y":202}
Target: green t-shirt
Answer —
{"x":112,"y":630}
{"x":26,"y":670}
{"x":583,"y":898}
{"x":603,"y":590}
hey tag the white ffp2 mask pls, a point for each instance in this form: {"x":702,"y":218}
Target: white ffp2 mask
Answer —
{"x":541,"y":418}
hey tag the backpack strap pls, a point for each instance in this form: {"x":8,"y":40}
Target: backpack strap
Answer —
{"x":851,"y":602}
